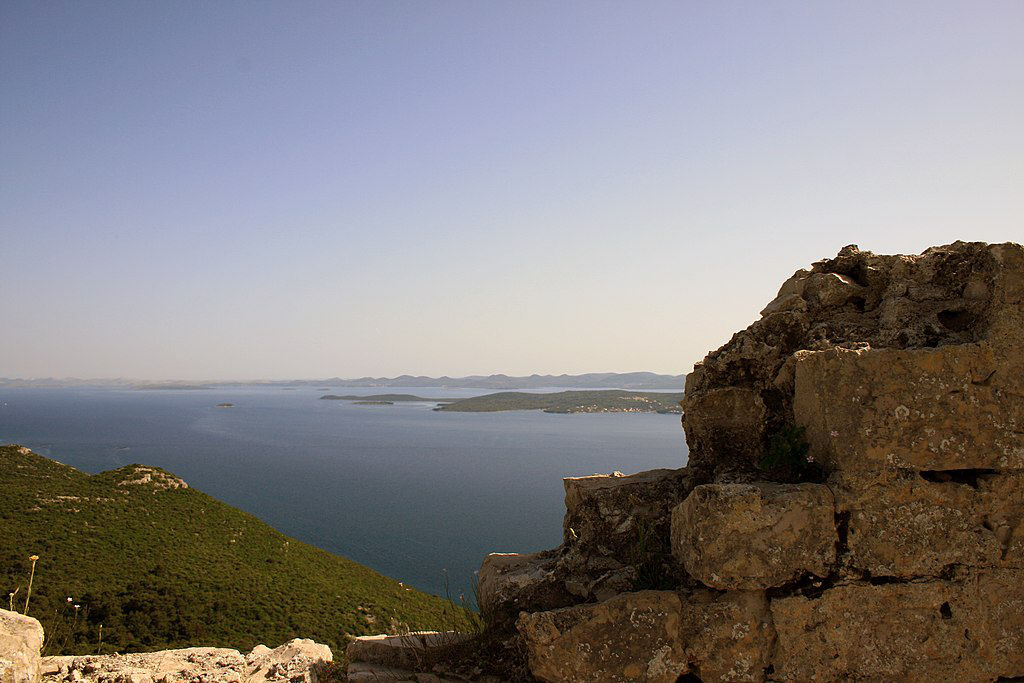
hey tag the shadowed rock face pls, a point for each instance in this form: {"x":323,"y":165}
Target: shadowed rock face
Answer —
{"x":962,"y":293}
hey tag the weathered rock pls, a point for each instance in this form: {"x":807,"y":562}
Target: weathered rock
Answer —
{"x":728,"y":421}
{"x":900,"y":524}
{"x":728,"y":636}
{"x":950,"y":408}
{"x":927,"y":631}
{"x":632,"y":637}
{"x":408,"y":651}
{"x":21,"y":638}
{"x":652,"y":636}
{"x":963,"y":293}
{"x":511,"y":583}
{"x":616,"y":530}
{"x":294,"y":662}
{"x":605,"y":513}
{"x":747,"y":536}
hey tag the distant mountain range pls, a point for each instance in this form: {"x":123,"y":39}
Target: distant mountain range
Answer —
{"x":590,"y":380}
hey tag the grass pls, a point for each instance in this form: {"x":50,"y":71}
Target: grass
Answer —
{"x":174,"y":567}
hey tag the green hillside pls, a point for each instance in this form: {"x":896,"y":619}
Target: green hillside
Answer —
{"x":160,"y":566}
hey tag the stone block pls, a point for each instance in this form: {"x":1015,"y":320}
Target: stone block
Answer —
{"x":511,"y":583}
{"x":724,"y":425}
{"x":900,"y":524}
{"x":923,"y":631}
{"x":755,"y":536}
{"x":654,"y":636}
{"x":949,"y":408}
{"x":606,"y":513}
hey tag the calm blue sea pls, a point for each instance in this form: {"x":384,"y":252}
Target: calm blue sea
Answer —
{"x":405,"y":490}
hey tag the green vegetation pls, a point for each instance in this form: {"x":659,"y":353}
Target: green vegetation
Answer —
{"x":159,"y":566}
{"x":787,"y":455}
{"x":608,"y":401}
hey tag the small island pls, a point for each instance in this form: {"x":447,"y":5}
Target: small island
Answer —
{"x":609,"y":401}
{"x":595,"y":401}
{"x":225,"y":405}
{"x":373,"y":403}
{"x":387,"y":398}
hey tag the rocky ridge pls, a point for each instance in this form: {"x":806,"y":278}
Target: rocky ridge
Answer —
{"x":853,"y":508}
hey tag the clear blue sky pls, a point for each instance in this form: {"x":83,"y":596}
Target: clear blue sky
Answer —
{"x":302,"y":189}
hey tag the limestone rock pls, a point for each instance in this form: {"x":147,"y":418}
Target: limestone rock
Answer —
{"x":290,"y":662}
{"x":616,"y":531}
{"x":729,"y":422}
{"x":21,"y":638}
{"x":747,"y":536}
{"x":927,"y":631}
{"x":962,"y":293}
{"x":408,"y":651}
{"x":510,"y":583}
{"x":900,"y":524}
{"x":604,"y":513}
{"x":652,"y":636}
{"x":294,"y":662}
{"x":632,"y":637}
{"x":728,"y":636}
{"x":950,"y":408}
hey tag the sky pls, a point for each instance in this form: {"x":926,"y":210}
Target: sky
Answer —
{"x":240,"y":190}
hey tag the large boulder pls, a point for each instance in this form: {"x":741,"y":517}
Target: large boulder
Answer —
{"x":21,"y":638}
{"x":755,"y":536}
{"x":972,"y":630}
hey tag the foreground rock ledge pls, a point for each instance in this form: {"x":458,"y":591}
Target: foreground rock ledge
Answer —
{"x":294,"y":662}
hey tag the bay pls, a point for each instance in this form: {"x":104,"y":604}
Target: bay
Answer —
{"x":408,"y":491}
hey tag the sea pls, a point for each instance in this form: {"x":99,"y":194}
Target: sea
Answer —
{"x":418,"y":495}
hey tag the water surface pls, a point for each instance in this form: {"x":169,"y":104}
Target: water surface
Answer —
{"x":403,"y":489}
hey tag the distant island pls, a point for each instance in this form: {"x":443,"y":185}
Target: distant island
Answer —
{"x":388,"y":398}
{"x":637,"y":381}
{"x":609,"y":401}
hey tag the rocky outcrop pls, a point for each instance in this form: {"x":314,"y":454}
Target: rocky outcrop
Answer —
{"x":297,"y":661}
{"x":961,"y":294}
{"x":853,"y":508}
{"x":21,"y":638}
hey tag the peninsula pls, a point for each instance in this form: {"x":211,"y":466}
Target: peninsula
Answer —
{"x":610,"y":401}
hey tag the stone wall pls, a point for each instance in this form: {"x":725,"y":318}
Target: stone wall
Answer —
{"x":891,"y":552}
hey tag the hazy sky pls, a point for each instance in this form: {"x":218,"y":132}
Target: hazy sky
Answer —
{"x":301,"y":189}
